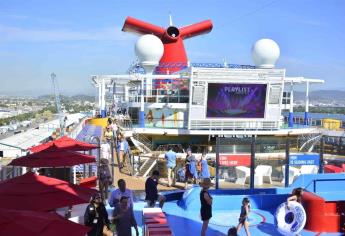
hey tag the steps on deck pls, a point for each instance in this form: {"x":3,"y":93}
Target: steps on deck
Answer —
{"x":147,"y":166}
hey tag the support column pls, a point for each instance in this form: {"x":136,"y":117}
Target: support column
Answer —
{"x":287,"y":161}
{"x":142,"y":111}
{"x":103,"y":109}
{"x":252,"y":162}
{"x":217,"y":162}
{"x":322,"y":142}
{"x":99,"y":96}
{"x":306,"y":113}
{"x":126,"y":97}
{"x":291,"y":106}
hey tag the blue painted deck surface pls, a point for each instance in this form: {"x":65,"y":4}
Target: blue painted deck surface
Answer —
{"x":185,"y":223}
{"x":183,"y":211}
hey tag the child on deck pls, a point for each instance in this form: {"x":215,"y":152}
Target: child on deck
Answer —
{"x":206,"y":205}
{"x":295,"y":196}
{"x":243,"y":220}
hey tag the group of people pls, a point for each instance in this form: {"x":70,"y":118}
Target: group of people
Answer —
{"x":112,"y":135}
{"x":121,"y":199}
{"x":193,"y":169}
{"x":96,"y":215}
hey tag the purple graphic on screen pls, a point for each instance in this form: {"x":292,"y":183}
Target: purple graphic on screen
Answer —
{"x":236,"y":100}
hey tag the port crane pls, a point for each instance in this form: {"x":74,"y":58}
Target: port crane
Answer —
{"x":58,"y":103}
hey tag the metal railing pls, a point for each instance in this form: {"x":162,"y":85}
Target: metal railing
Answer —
{"x":136,"y":68}
{"x":160,"y":96}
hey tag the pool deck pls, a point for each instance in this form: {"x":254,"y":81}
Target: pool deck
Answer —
{"x":189,"y":223}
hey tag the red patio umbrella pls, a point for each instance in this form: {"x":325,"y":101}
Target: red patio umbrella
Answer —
{"x":64,"y":143}
{"x":53,"y":159}
{"x":41,"y":193}
{"x":31,"y":223}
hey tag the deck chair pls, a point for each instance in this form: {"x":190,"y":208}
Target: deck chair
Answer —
{"x":242,"y":174}
{"x":293,"y":173}
{"x":309,"y":169}
{"x":265,"y":171}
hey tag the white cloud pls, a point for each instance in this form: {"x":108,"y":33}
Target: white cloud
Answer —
{"x":18,"y":34}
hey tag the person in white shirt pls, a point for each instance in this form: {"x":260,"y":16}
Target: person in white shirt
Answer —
{"x":120,"y":192}
{"x":106,"y":151}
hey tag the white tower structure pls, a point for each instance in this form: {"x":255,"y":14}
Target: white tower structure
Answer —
{"x":265,"y":53}
{"x":149,"y":50}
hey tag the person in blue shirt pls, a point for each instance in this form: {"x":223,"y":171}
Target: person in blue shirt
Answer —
{"x":170,"y":157}
{"x":191,"y":170}
{"x":205,"y":173}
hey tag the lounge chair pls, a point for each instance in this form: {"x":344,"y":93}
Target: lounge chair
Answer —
{"x":309,"y":169}
{"x":265,"y":171}
{"x":242,"y":174}
{"x":293,"y":173}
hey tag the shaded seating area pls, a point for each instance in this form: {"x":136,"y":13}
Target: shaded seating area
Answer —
{"x":31,"y":223}
{"x":28,"y":202}
{"x":41,"y":193}
{"x":90,"y":182}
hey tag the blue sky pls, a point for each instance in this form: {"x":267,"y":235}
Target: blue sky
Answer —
{"x":78,"y":38}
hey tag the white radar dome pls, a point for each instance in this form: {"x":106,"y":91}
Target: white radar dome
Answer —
{"x":149,"y":49}
{"x":265,"y":53}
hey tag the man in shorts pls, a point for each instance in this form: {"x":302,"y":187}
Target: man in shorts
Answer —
{"x":170,"y":157}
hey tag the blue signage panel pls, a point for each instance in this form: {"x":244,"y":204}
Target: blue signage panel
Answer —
{"x":304,"y":159}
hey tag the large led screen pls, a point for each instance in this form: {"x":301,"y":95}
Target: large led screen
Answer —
{"x":236,"y":100}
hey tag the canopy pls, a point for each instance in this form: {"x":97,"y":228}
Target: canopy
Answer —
{"x":53,"y":159}
{"x":64,"y":143}
{"x":31,"y":223}
{"x":41,"y":193}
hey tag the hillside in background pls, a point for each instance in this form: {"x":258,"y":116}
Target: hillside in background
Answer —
{"x":322,"y":95}
{"x":80,"y":97}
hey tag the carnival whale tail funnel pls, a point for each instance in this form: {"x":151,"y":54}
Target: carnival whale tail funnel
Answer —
{"x":172,"y":38}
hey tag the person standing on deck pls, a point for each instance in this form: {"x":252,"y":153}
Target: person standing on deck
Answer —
{"x":96,"y":217}
{"x":206,"y":205}
{"x":122,"y":150}
{"x":205,"y":173}
{"x":243,"y":220}
{"x":170,"y":157}
{"x":105,"y":178}
{"x":152,"y":192}
{"x":122,"y":191}
{"x":191,"y":170}
{"x":124,"y":219}
{"x":108,"y":134}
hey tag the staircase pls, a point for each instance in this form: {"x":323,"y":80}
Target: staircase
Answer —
{"x":308,"y":142}
{"x":147,"y":166}
{"x":144,"y":143}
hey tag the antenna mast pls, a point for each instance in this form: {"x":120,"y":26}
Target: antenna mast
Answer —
{"x":58,"y":103}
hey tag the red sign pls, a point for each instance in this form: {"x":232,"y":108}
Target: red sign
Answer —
{"x":234,"y":160}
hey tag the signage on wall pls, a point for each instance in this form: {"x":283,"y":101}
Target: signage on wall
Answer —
{"x":234,"y":159}
{"x":304,"y":159}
